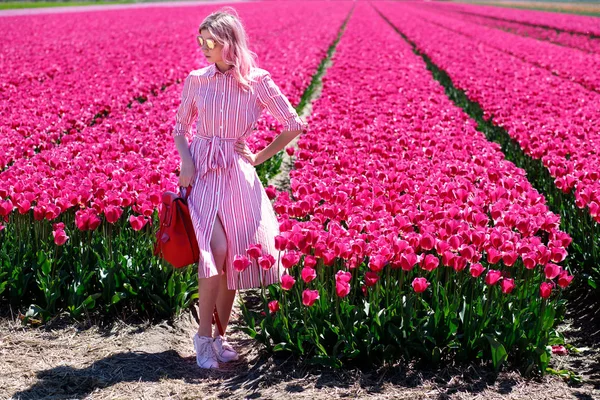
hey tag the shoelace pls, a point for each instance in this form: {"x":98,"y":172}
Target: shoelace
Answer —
{"x":205,"y":351}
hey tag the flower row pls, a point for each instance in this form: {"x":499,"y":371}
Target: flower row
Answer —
{"x":572,"y":64}
{"x":404,"y":222}
{"x":108,"y":61}
{"x":129,"y":160}
{"x":574,"y":40}
{"x":551,"y":118}
{"x":550,"y":20}
{"x":400,"y":177}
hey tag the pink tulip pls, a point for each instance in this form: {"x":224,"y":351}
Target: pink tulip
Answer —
{"x":427,"y":242}
{"x":266,"y":262}
{"x":112,"y":213}
{"x":287,"y":282}
{"x":6,"y":207}
{"x":289,"y":259}
{"x":271,"y":192}
{"x":309,"y":297}
{"x":289,"y":151}
{"x":371,"y":278}
{"x":564,"y":279}
{"x":308,"y":274}
{"x":408,"y":261}
{"x":420,"y":285}
{"x":552,"y":270}
{"x":492,"y":277}
{"x":342,"y":288}
{"x":430,"y":262}
{"x":507,"y":285}
{"x":493,"y":255}
{"x":60,"y":237}
{"x":137,"y":222}
{"x":240,"y":263}
{"x":281,"y":242}
{"x":310,"y":261}
{"x":254,"y":250}
{"x":376,"y":263}
{"x":545,"y":290}
{"x":273,"y":306}
{"x":343,"y":276}
{"x":476,"y":270}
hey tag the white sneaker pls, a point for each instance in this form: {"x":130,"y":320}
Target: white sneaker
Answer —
{"x":205,"y":353}
{"x":223,"y":350}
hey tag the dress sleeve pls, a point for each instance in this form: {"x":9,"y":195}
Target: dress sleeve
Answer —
{"x":187,"y":111}
{"x":278,"y":105}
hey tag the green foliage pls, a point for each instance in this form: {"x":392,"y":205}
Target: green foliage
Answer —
{"x":457,"y":318}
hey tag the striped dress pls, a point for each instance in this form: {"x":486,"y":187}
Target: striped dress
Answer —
{"x":226,"y":183}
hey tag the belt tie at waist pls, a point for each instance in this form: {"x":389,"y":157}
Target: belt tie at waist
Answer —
{"x":215,"y":156}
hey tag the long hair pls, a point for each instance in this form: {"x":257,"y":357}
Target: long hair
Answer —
{"x":227,"y":28}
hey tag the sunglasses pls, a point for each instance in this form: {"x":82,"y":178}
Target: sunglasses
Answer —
{"x":210,"y":43}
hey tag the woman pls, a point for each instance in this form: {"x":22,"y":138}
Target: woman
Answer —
{"x":228,"y":204}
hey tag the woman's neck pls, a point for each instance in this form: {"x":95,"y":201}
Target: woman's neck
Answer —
{"x":223,"y":67}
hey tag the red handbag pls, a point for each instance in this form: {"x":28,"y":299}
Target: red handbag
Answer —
{"x":175,"y":240}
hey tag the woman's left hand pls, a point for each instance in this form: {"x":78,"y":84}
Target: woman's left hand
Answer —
{"x":242,"y":148}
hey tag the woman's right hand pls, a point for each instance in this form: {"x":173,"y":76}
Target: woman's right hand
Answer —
{"x":188,"y":170}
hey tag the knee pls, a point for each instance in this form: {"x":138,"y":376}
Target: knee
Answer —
{"x":219,"y":248}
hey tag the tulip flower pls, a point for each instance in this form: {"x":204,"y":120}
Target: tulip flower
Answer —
{"x":310,"y":261}
{"x":371,"y":278}
{"x":545,"y":290}
{"x":427,"y":242}
{"x":564,"y":279}
{"x":281,"y":242}
{"x":287,"y":282}
{"x":309,"y":297}
{"x":289,"y":259}
{"x":559,"y":350}
{"x":60,"y":237}
{"x":430,"y":262}
{"x":137,"y":222}
{"x":273,"y":306}
{"x":342,"y":288}
{"x":552,"y":270}
{"x":113,"y":213}
{"x":240,"y":263}
{"x":254,"y":251}
{"x":271,"y":192}
{"x":266,"y":262}
{"x":507,"y":285}
{"x":476,"y":270}
{"x":420,"y":285}
{"x":308,"y":274}
{"x":492,"y":277}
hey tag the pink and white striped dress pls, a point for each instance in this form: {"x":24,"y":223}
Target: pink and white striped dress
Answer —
{"x":226,"y":184}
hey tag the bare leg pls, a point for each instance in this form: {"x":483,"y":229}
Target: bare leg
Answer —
{"x":225,"y":299}
{"x":208,"y":288}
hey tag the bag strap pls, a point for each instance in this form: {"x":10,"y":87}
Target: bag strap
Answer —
{"x":188,"y":189}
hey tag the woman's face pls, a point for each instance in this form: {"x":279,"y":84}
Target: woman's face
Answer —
{"x":213,"y":55}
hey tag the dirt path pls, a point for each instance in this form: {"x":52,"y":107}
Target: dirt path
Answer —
{"x":157,"y":361}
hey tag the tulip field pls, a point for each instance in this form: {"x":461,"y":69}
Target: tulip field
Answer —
{"x":442,"y":207}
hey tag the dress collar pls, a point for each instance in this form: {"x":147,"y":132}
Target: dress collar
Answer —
{"x":214,"y":70}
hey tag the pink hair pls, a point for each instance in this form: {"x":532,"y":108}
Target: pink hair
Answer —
{"x":227,"y":28}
